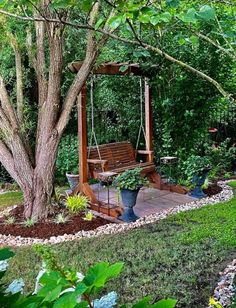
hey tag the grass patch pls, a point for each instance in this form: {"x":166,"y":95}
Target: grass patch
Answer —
{"x":232,"y":184}
{"x":10,"y":198}
{"x":178,"y":257}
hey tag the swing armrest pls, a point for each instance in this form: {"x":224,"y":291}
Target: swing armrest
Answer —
{"x":97,"y":161}
{"x":145,"y":152}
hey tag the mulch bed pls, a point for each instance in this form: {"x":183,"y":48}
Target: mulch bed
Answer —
{"x":212,"y":190}
{"x":47,"y":228}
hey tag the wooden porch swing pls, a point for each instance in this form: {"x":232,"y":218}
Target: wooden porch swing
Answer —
{"x":118,"y":156}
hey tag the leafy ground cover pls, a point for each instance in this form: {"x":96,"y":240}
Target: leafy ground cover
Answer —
{"x":10,"y":198}
{"x":179,"y":257}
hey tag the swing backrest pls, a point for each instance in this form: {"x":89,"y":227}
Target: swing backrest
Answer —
{"x":117,"y":154}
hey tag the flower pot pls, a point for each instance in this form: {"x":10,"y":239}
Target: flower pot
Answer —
{"x":73,"y":180}
{"x":199,"y":180}
{"x":129,"y":198}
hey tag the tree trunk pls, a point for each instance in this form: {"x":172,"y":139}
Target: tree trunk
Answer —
{"x":38,"y":196}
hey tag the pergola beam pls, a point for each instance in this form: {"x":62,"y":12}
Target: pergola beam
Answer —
{"x":111,"y":69}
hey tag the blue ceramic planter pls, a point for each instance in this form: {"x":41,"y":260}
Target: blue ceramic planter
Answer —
{"x":199,"y":180}
{"x":129,"y":198}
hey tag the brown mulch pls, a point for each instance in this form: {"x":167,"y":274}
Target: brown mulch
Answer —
{"x":213,"y":189}
{"x":47,"y":228}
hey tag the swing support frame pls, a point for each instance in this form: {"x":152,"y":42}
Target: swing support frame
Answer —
{"x":111,"y":69}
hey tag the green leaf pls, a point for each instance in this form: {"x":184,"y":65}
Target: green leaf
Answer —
{"x":116,"y":21}
{"x":189,"y":17}
{"x":154,"y":20}
{"x":181,"y":41}
{"x":99,"y":23}
{"x":206,"y":13}
{"x":143,"y":303}
{"x":165,"y":303}
{"x":172,"y":3}
{"x":123,"y":68}
{"x":53,"y":294}
{"x":67,"y":300}
{"x":114,"y":270}
{"x":80,"y":288}
{"x":166,"y":17}
{"x":194,"y":40}
{"x":5,"y":254}
{"x":144,"y":18}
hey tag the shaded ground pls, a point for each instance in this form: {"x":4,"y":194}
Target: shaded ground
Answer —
{"x":178,"y":257}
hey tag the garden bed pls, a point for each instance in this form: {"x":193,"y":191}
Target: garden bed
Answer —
{"x":48,"y":228}
{"x":178,"y":257}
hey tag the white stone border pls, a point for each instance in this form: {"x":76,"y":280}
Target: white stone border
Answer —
{"x":224,"y":292}
{"x":17,"y":241}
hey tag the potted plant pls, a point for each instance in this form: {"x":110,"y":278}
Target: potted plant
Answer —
{"x":73,"y":178}
{"x":129,"y":184}
{"x":196,"y":168}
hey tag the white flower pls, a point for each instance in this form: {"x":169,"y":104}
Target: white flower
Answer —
{"x":16,"y":286}
{"x":38,"y":286}
{"x":107,"y":301}
{"x":79,"y":276}
{"x":3,"y":265}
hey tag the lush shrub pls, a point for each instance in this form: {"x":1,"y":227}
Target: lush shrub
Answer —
{"x":67,"y":158}
{"x":222,"y":156}
{"x":58,"y":287}
{"x":77,"y":203}
{"x":130,"y":179}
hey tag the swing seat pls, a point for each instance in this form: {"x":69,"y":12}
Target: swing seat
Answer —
{"x":116,"y":157}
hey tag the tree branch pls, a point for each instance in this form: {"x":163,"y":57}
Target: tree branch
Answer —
{"x":82,"y":75}
{"x":19,"y":78}
{"x":7,"y":106}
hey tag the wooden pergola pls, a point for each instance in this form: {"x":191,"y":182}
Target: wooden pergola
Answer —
{"x":110,"y":69}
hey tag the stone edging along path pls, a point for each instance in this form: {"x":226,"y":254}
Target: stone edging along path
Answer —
{"x":225,"y":290}
{"x":17,"y":241}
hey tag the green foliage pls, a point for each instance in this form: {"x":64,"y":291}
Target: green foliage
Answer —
{"x":232,"y":184}
{"x":89,"y":216}
{"x":222,"y":156}
{"x":195,"y":165}
{"x":10,"y":220}
{"x":66,"y":287}
{"x":61,"y":219}
{"x":67,"y":158}
{"x":29,"y":222}
{"x":130,"y":179}
{"x":77,"y":203}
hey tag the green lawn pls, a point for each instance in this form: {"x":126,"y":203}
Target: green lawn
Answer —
{"x":10,"y":198}
{"x":178,"y":257}
{"x":16,"y":197}
{"x":232,"y":184}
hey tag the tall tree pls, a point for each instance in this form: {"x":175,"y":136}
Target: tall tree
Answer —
{"x":34,"y":173}
{"x":166,"y":23}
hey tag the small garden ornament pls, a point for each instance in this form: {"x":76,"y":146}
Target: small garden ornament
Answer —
{"x":129,"y":184}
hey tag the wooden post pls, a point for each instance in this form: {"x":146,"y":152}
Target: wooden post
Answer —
{"x":148,"y":121}
{"x":82,"y":142}
{"x":82,"y":136}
